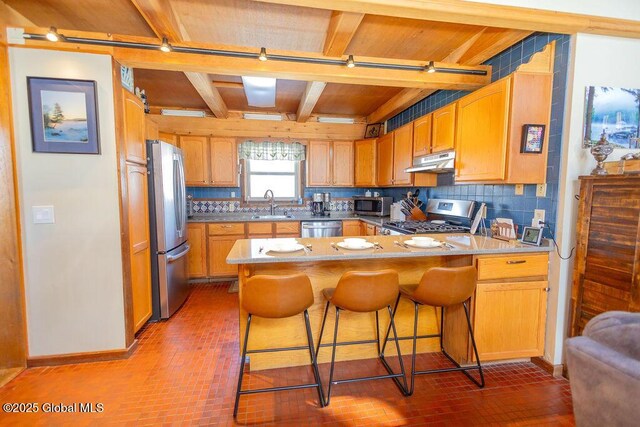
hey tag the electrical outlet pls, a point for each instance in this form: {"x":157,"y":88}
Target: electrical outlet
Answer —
{"x":541,"y":190}
{"x":538,"y":218}
{"x":233,"y":194}
{"x":519,"y":189}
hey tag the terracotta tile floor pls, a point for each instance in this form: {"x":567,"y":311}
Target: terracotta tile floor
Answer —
{"x":185,"y":372}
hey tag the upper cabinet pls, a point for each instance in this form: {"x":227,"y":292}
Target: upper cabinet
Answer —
{"x":134,"y":129}
{"x":443,"y":128}
{"x":168,"y":137}
{"x":422,"y":135}
{"x":489,"y":130}
{"x":365,"y":162}
{"x":195,"y":150}
{"x":395,"y":154}
{"x":330,"y":164}
{"x":402,"y":154}
{"x":209,"y":162}
{"x":224,"y":161}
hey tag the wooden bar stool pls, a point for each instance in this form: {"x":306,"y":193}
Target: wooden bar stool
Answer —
{"x":277,"y":297}
{"x":441,"y":287}
{"x":363,"y":292}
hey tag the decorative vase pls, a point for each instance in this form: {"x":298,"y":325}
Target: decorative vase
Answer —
{"x":600,"y":152}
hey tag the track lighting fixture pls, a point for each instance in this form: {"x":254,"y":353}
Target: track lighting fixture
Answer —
{"x":53,"y":35}
{"x":263,"y":54}
{"x":165,"y":46}
{"x":430,"y":67}
{"x":350,"y":62}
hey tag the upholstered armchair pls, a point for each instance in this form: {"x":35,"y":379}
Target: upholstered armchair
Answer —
{"x":604,"y":371}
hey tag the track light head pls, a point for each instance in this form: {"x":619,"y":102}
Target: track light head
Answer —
{"x":431,"y":68}
{"x":53,"y":35}
{"x":350,"y":62}
{"x":263,"y":54}
{"x":165,"y":46}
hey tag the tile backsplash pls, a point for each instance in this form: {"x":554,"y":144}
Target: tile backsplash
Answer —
{"x":235,"y":205}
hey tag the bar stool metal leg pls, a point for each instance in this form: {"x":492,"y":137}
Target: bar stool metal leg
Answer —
{"x":402,"y":387}
{"x":314,"y":361}
{"x":324,"y":320}
{"x":386,"y":337}
{"x":415,"y":341}
{"x":475,"y":349}
{"x":333,"y":356}
{"x":242,"y":362}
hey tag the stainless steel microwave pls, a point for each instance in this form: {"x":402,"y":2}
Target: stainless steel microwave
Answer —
{"x":374,"y":206}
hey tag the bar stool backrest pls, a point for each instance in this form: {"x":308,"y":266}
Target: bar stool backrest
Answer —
{"x":366,"y":291}
{"x":446,"y":286}
{"x":277,"y":296}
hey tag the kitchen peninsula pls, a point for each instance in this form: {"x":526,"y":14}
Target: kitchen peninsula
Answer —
{"x":508,"y":308}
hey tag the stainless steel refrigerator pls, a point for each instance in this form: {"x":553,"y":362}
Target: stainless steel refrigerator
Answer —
{"x":168,"y":221}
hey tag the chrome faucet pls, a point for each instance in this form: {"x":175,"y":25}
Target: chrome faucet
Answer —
{"x":273,"y":205}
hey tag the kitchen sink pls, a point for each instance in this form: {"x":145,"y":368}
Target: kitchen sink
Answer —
{"x":271,"y":216}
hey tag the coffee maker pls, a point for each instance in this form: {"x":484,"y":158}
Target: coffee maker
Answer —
{"x":321,"y":204}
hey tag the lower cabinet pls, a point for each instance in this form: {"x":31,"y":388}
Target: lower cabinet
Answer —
{"x":219,"y":247}
{"x":197,"y":257}
{"x":510,"y":306}
{"x":367,"y":229}
{"x":351,"y":228}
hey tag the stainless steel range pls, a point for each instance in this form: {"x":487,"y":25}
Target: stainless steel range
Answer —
{"x":443,"y":216}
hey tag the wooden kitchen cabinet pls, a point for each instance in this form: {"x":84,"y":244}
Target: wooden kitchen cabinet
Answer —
{"x":385,"y":160}
{"x":342,"y":163}
{"x":223,"y":162}
{"x":221,"y":238}
{"x":489,"y":130}
{"x":351,"y":228}
{"x":259,"y":230}
{"x":443,"y":131}
{"x":139,"y":244}
{"x":422,"y":135}
{"x":197,"y":256}
{"x":368,"y":229}
{"x":510,"y":306}
{"x":135,"y":147}
{"x":287,"y":229}
{"x":402,"y":155}
{"x":605,"y":272}
{"x":195,"y":150}
{"x":365,"y":164}
{"x":330,"y":164}
{"x":168,"y":137}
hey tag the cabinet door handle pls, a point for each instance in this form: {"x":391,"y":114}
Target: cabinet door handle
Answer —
{"x":519,"y":261}
{"x":225,"y":226}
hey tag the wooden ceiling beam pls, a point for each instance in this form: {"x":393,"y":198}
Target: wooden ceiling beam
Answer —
{"x":482,"y":46}
{"x":342,"y":28}
{"x":164,"y":23}
{"x":483,"y":14}
{"x":309,"y":99}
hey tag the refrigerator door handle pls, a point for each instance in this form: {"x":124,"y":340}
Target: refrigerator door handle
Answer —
{"x":183,"y":196}
{"x":172,"y":258}
{"x":177,"y":194}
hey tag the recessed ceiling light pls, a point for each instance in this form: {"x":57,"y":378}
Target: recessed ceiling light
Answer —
{"x":263,"y":54}
{"x":53,"y":35}
{"x":182,"y":113}
{"x":342,"y":120}
{"x":260,"y":91}
{"x":165,"y":46}
{"x":350,"y":62}
{"x":260,"y":116}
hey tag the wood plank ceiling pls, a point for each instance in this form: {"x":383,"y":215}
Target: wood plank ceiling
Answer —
{"x":253,"y":24}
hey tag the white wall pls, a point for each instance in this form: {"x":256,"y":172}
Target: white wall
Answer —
{"x":73,"y":268}
{"x":597,"y":61}
{"x":623,"y":9}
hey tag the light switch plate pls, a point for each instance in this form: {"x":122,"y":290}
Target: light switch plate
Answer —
{"x":519,"y":189}
{"x":43,"y":214}
{"x":541,"y":190}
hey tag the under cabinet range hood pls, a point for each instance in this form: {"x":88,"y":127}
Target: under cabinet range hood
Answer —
{"x":435,"y":163}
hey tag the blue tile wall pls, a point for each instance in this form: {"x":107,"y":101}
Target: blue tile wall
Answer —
{"x":501,"y":199}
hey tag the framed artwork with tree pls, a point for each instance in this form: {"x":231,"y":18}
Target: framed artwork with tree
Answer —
{"x":64,"y":115}
{"x":613,"y":113}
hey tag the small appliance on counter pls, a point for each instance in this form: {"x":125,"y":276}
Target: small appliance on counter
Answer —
{"x":443,"y":216}
{"x":396,"y":212}
{"x":189,"y":206}
{"x":372,"y":206}
{"x":321,"y":204}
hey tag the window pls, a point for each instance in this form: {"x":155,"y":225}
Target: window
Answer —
{"x":280,"y":176}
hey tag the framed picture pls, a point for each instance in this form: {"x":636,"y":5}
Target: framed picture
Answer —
{"x":532,"y":138}
{"x":612,"y":112}
{"x":373,"y":130}
{"x":64,"y":116}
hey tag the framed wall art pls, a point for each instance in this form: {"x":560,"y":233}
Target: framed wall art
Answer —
{"x":532,"y":139}
{"x":64,"y":115}
{"x":373,"y":130}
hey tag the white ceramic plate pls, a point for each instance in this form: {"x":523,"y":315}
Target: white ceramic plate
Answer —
{"x":286,"y":248}
{"x":356,"y":247}
{"x":423,"y":244}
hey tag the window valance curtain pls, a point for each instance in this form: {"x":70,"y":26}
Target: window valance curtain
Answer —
{"x":266,"y":150}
